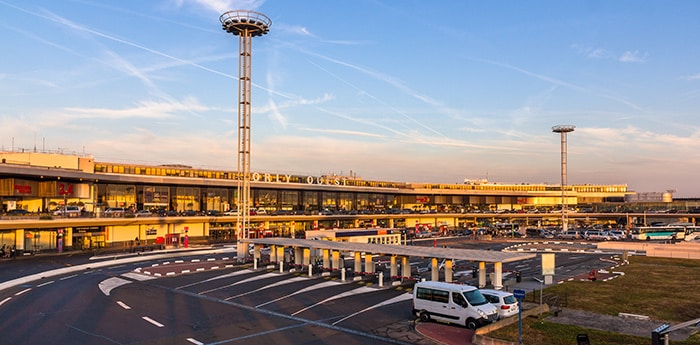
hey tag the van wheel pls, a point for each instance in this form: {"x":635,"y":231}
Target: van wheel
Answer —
{"x":472,"y":324}
{"x":424,"y":316}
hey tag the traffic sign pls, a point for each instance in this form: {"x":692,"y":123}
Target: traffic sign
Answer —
{"x":519,"y":294}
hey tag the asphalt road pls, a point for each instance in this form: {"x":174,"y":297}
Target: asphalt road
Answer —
{"x":163,"y":299}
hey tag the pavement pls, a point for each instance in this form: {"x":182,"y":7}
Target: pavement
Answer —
{"x":446,"y":334}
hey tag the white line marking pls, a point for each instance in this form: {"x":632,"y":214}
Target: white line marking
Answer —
{"x":396,"y":299}
{"x":69,"y":277}
{"x":44,"y":284}
{"x":310,"y":288}
{"x":107,"y":285}
{"x":359,"y":290}
{"x":194,"y":341}
{"x":21,"y":292}
{"x":137,"y":276}
{"x":5,"y":300}
{"x":154,"y":322}
{"x":123,"y":305}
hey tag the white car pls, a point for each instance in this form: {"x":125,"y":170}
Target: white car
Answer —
{"x":506,"y":302}
{"x":595,"y":235}
{"x":68,"y":211}
{"x":143,"y":213}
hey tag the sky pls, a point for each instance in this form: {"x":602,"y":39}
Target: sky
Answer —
{"x":404,"y":91}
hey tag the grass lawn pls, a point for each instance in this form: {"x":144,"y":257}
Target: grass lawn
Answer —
{"x":664,"y":289}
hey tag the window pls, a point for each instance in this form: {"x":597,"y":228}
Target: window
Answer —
{"x":458,"y":298}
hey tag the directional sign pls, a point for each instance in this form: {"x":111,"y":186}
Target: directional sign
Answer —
{"x":519,"y":294}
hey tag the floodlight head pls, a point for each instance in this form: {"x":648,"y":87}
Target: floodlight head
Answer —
{"x":244,"y":22}
{"x":563,"y":128}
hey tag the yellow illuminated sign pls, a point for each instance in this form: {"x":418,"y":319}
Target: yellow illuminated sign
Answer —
{"x":548,"y":264}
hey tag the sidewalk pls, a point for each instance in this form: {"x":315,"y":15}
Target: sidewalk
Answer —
{"x":446,"y":334}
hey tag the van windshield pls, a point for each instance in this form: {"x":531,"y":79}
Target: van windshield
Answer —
{"x":475,"y":297}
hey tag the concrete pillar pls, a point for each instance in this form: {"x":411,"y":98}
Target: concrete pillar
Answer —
{"x":482,"y":275}
{"x":280,"y":253}
{"x":448,"y":270}
{"x":498,"y":275}
{"x":19,"y":239}
{"x":369,"y":263}
{"x":298,"y":255}
{"x":68,"y":238}
{"x":306,"y":256}
{"x":335,"y":263}
{"x":273,"y":253}
{"x":405,"y":267}
{"x":326,"y":258}
{"x":434,"y":270}
{"x":358,"y":264}
{"x":256,"y":252}
{"x":394,"y":270}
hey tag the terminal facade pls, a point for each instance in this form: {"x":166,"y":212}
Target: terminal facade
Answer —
{"x":286,"y":205}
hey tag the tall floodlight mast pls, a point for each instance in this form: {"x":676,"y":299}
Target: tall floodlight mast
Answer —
{"x":563,"y":129}
{"x":245,"y":25}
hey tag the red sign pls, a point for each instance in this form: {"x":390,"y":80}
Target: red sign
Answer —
{"x":19,"y":189}
{"x":423,"y":199}
{"x":64,"y":189}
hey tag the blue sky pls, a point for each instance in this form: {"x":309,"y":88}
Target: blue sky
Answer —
{"x":413,"y":91}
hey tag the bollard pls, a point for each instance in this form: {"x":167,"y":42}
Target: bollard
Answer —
{"x":381,"y":279}
{"x":342,"y":274}
{"x":311,"y":270}
{"x":281,"y":266}
{"x":255,"y":264}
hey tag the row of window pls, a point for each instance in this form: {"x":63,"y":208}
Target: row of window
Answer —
{"x":182,"y":171}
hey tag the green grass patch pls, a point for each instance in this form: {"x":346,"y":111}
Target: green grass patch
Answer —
{"x":661,"y":288}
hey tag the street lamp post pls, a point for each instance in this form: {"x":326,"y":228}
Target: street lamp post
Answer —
{"x":563,"y":130}
{"x":246,"y":25}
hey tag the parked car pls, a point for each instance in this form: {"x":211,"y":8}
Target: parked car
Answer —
{"x":231,"y":212}
{"x":617,"y":235}
{"x":68,"y":211}
{"x":18,"y":212}
{"x":569,"y":235}
{"x":143,"y":213}
{"x":505,"y":302}
{"x":596,"y":235}
{"x":452,"y":303}
{"x":115,"y":212}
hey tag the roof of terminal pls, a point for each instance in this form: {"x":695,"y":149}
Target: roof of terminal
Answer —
{"x":385,"y":249}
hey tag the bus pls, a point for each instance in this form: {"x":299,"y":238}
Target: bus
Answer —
{"x":667,"y":232}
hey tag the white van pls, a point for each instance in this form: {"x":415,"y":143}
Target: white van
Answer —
{"x":452,"y":303}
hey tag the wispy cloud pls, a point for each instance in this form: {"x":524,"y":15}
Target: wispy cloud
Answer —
{"x":633,"y":56}
{"x":221,"y":6}
{"x":564,"y":84}
{"x":692,"y":77}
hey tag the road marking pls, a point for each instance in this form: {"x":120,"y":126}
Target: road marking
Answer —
{"x":194,"y":341}
{"x":287,"y":281}
{"x":44,"y":284}
{"x":246,"y":271}
{"x":5,"y":300}
{"x":21,"y":292}
{"x":107,"y":285}
{"x":137,"y":276}
{"x":359,"y":290}
{"x":154,"y":322}
{"x":69,"y":277}
{"x":310,"y":288}
{"x":264,"y":276}
{"x":396,"y":299}
{"x":123,"y":305}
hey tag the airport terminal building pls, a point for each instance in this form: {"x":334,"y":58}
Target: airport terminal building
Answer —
{"x":286,"y":205}
{"x":39,"y":182}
